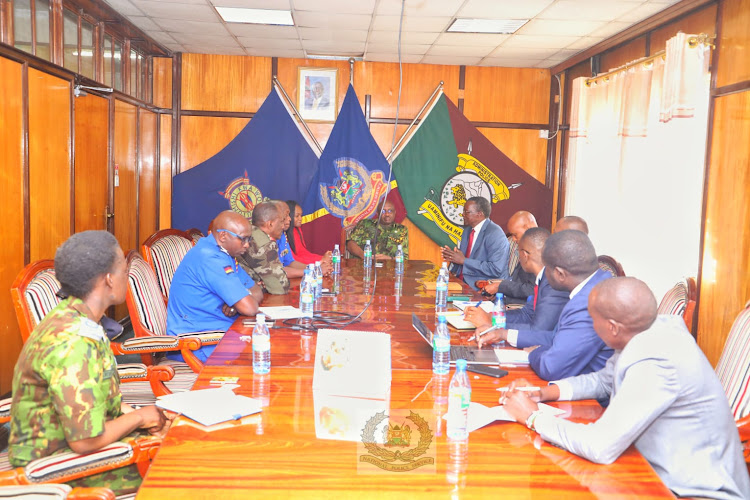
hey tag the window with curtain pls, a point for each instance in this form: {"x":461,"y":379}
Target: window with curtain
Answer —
{"x":636,"y":162}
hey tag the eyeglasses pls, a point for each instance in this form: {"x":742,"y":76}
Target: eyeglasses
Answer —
{"x":389,"y":211}
{"x":245,"y":239}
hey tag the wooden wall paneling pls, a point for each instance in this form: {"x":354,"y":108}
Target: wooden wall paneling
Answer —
{"x":288,"y":73}
{"x":165,"y":172}
{"x":11,"y":206}
{"x":148,"y":175}
{"x":91,"y":162}
{"x":511,"y":95}
{"x":201,"y":137}
{"x":380,"y":80}
{"x":420,"y":245}
{"x":383,"y":135}
{"x":734,"y":63}
{"x":49,"y":163}
{"x":225,"y":83}
{"x":635,"y":49}
{"x":725,"y":279}
{"x":702,"y":21}
{"x":162,"y":82}
{"x":523,"y":146}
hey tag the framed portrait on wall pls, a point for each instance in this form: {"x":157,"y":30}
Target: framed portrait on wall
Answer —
{"x":317,"y":99}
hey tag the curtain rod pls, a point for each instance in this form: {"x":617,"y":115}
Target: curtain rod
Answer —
{"x":692,"y":42}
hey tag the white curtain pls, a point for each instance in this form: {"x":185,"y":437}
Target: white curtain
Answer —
{"x":635,"y":163}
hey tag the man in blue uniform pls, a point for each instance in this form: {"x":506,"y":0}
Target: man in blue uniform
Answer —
{"x":209,"y":289}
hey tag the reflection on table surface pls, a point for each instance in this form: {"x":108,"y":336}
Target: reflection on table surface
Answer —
{"x":305,"y":444}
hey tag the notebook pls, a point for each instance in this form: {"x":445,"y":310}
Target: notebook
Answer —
{"x":452,"y":286}
{"x":472,"y":355}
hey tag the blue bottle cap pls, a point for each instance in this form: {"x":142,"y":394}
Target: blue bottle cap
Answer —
{"x":441,"y":318}
{"x":499,"y":295}
{"x":461,"y":364}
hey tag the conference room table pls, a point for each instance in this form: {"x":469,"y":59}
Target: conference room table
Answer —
{"x":300,"y":446}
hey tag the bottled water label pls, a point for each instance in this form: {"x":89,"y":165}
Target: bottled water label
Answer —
{"x":498,"y":320}
{"x":261,"y":343}
{"x":335,"y":259}
{"x":306,"y":298}
{"x":458,"y":401}
{"x":399,"y":259}
{"x":441,"y":287}
{"x":441,"y":344}
{"x":368,"y":253}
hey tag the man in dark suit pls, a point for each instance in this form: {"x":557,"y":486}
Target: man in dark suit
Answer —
{"x":573,"y":347}
{"x":542,"y":310}
{"x":483,"y":252}
{"x":521,"y":283}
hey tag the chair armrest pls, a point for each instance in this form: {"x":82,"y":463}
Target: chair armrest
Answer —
{"x":66,"y":467}
{"x":144,"y":345}
{"x":91,"y":494}
{"x":55,"y":492}
{"x":5,"y":410}
{"x":155,"y":375}
{"x":194,"y":341}
{"x":743,"y":426}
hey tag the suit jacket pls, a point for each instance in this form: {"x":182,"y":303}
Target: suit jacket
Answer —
{"x":573,"y":347}
{"x":489,"y":254}
{"x":549,"y":305}
{"x":666,"y":399}
{"x":519,"y":287}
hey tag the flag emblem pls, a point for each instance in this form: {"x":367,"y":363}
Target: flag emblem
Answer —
{"x":228,"y":269}
{"x":355,"y":192}
{"x":242,"y":196}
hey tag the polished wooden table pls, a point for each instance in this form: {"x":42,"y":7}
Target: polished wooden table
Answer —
{"x":287,"y":451}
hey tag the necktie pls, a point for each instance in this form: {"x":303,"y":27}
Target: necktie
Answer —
{"x":468,"y":251}
{"x":536,"y":293}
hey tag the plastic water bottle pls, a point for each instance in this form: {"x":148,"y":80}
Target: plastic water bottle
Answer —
{"x":261,"y":346}
{"x":441,"y":289}
{"x":441,"y":347}
{"x":318,"y":280}
{"x":306,"y":295}
{"x":400,"y":260}
{"x":336,"y":259}
{"x":459,"y":397}
{"x":498,"y":311}
{"x":314,"y":280}
{"x":439,"y":401}
{"x":368,"y":254}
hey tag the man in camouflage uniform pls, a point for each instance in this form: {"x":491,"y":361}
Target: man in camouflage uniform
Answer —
{"x":384,"y":237}
{"x":261,"y":259}
{"x":65,"y":383}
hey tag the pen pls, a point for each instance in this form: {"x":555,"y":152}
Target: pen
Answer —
{"x":488,"y":330}
{"x":524,"y":389}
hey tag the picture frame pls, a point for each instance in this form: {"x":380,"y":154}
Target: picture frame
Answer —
{"x":317,"y":95}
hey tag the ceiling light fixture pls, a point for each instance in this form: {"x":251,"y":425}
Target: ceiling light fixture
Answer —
{"x":497,"y":26}
{"x":256,"y":16}
{"x":329,"y":57}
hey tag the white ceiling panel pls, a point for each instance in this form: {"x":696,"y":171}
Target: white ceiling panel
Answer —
{"x":339,"y":6}
{"x":609,"y":29}
{"x":161,"y":36}
{"x":509,"y":63}
{"x":332,"y":21}
{"x":125,"y":7}
{"x":207,"y":49}
{"x":172,"y":25}
{"x":545,"y":27}
{"x":419,"y":7}
{"x":453,"y":50}
{"x":331,"y":47}
{"x":453,"y":60}
{"x":255,"y":4}
{"x":477,"y":39}
{"x":275,"y":53}
{"x":641,"y":12}
{"x":523,"y":52}
{"x":200,"y":39}
{"x":407,"y":37}
{"x":262,"y":31}
{"x":504,"y":9}
{"x":391,"y":47}
{"x":332,"y":35}
{"x":412,"y":23}
{"x":184,"y":11}
{"x":545,"y":42}
{"x":388,"y":57}
{"x":585,"y":42}
{"x":274,"y":43}
{"x":589,"y":10}
{"x":145,"y":23}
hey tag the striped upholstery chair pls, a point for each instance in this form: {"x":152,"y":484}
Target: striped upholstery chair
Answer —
{"x":195,"y":234}
{"x":55,"y":492}
{"x":148,"y":314}
{"x":733,"y":370}
{"x":607,"y":263}
{"x":513,"y":256}
{"x":680,"y":301}
{"x":164,"y":251}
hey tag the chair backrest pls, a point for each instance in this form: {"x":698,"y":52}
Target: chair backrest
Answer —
{"x":733,"y":368}
{"x":513,"y":256}
{"x":195,"y":234}
{"x":607,"y":263}
{"x":34,"y":294}
{"x":345,"y":233}
{"x":680,"y":301}
{"x":164,"y":251}
{"x":146,"y":306}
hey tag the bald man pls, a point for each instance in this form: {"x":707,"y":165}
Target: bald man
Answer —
{"x":572,"y":222}
{"x":520,"y":286}
{"x":664,"y":398}
{"x":209,"y":289}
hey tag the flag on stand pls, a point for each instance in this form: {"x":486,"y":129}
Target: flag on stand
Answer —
{"x":351,"y":179}
{"x":269,"y":159}
{"x":446,"y":161}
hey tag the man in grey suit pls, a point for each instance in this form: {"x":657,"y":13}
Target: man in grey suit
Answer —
{"x":483,"y":251}
{"x":664,"y":398}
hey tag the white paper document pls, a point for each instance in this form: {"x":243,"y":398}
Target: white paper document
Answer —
{"x":480,"y":415}
{"x":281,"y":312}
{"x":486,"y":305}
{"x":210,"y":406}
{"x":512,"y":356}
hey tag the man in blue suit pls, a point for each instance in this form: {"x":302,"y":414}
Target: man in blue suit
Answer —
{"x":484,"y":249}
{"x":542,"y":310}
{"x":573,"y":347}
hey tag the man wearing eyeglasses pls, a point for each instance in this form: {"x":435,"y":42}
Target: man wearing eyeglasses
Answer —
{"x":385,"y":235}
{"x":209,"y":289}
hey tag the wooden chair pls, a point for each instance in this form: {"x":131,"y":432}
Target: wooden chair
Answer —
{"x":164,"y":251}
{"x":733,"y":371}
{"x":346,"y":232}
{"x":195,"y":234}
{"x":513,"y":256}
{"x":680,"y":301}
{"x":607,"y":263}
{"x":148,"y":314}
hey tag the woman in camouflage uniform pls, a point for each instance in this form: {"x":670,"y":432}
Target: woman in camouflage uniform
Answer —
{"x":66,"y":392}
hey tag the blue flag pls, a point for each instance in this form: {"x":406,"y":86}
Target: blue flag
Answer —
{"x":351,"y":179}
{"x":269,"y":158}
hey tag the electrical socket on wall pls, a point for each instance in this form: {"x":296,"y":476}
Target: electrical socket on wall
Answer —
{"x":543,"y":134}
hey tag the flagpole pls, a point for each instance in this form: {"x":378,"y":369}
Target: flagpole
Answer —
{"x":414,"y":121}
{"x":304,"y":124}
